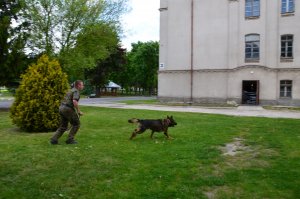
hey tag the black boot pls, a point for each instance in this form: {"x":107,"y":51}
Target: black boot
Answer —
{"x":71,"y":142}
{"x":53,"y":142}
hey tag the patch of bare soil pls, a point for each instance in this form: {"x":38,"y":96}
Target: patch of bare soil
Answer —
{"x":234,"y":147}
{"x":222,"y":192}
{"x":237,"y":155}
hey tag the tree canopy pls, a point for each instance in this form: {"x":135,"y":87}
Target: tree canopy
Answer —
{"x":95,"y":43}
{"x":143,"y":65}
{"x":12,"y":42}
{"x":55,"y":24}
{"x":83,"y":35}
{"x":77,"y":32}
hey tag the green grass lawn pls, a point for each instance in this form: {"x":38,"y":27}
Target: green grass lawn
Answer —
{"x":105,"y":164}
{"x":151,"y":101}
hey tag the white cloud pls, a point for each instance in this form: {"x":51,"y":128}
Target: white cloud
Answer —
{"x":142,"y":23}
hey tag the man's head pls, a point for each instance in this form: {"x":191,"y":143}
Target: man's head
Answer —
{"x":79,"y":84}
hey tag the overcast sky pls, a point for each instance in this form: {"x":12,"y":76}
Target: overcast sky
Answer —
{"x":141,"y":23}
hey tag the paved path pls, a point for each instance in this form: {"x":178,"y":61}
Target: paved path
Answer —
{"x":5,"y":103}
{"x":256,"y":111}
{"x":114,"y":102}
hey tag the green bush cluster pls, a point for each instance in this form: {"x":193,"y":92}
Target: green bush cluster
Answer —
{"x":38,"y":97}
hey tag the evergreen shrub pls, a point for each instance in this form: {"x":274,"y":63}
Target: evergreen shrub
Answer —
{"x":38,"y":97}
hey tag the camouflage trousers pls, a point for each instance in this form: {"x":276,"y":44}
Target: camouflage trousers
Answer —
{"x":67,"y":114}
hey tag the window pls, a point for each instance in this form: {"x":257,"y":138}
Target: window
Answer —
{"x":252,"y":8}
{"x":252,"y":47}
{"x":286,"y":88}
{"x":287,"y":46}
{"x":287,"y":6}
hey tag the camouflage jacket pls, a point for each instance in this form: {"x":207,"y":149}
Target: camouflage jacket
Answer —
{"x":71,"y":95}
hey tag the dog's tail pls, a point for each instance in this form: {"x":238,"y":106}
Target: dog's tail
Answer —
{"x":133,"y":120}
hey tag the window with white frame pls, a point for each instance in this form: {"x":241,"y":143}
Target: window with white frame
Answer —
{"x":252,"y":47}
{"x":287,"y":46}
{"x":252,"y":8}
{"x":287,"y":6}
{"x":286,"y":88}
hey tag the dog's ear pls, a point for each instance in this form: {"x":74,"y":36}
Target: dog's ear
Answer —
{"x":167,"y":116}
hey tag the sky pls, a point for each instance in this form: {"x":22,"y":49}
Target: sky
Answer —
{"x":141,"y":23}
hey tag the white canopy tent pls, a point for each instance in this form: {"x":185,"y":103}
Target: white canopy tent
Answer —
{"x":112,"y":85}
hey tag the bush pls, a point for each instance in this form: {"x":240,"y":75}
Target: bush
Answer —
{"x":38,"y":97}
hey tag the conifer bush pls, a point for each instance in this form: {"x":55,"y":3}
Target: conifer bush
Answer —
{"x":38,"y":97}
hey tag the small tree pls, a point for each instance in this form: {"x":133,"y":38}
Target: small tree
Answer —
{"x":38,"y":97}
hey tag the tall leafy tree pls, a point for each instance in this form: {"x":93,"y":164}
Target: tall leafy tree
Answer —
{"x":108,"y":69}
{"x":12,"y":41}
{"x":78,"y":32}
{"x":143,"y":63}
{"x":56,"y":23}
{"x":95,"y":43}
{"x":57,"y":28}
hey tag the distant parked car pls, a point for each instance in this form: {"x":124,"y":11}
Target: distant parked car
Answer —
{"x":93,"y":95}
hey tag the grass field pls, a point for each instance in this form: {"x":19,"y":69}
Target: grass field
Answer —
{"x":105,"y":164}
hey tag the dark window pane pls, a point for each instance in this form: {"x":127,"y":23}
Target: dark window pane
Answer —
{"x":291,"y":5}
{"x":256,"y":13}
{"x":252,"y":8}
{"x":255,"y":55}
{"x":285,"y":88}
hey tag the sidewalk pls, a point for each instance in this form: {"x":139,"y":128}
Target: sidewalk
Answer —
{"x":255,"y":111}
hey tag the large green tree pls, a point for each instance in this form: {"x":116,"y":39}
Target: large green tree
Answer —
{"x":55,"y":24}
{"x":109,"y":69}
{"x":95,"y":43}
{"x":78,"y":32}
{"x":143,"y":65}
{"x":12,"y":42}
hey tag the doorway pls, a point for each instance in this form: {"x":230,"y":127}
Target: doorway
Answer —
{"x":250,"y":92}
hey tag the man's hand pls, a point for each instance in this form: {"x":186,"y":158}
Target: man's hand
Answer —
{"x":80,"y":113}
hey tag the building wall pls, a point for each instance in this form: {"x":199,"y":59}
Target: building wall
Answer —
{"x":202,"y":51}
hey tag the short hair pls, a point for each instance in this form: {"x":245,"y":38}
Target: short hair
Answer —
{"x":77,"y":82}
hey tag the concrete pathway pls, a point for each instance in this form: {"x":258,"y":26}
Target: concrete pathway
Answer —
{"x":114,"y":102}
{"x":255,"y":111}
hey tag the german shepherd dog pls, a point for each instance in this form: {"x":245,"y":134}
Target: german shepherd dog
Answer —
{"x":159,"y":125}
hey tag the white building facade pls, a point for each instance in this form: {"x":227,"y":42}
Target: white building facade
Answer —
{"x":216,"y":51}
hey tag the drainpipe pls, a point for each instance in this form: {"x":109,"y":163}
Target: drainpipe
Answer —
{"x":192,"y":50}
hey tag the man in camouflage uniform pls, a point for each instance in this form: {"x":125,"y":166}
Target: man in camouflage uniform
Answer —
{"x":69,"y":112}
